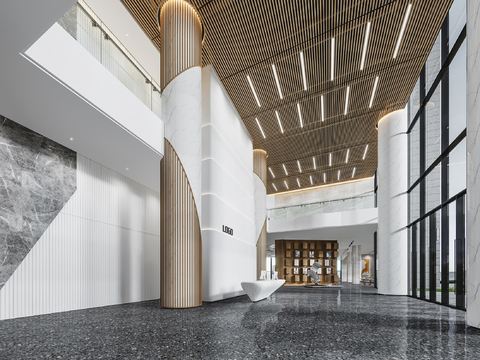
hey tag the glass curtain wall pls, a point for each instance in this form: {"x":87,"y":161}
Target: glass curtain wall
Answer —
{"x":437,"y":168}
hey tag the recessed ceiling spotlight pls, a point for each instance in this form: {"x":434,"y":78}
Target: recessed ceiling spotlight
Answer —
{"x":71,"y":139}
{"x":373,"y":92}
{"x":298,"y":182}
{"x":271,"y":172}
{"x":338,"y":176}
{"x":285,"y":169}
{"x":278,"y":83}
{"x":126,"y":34}
{"x":324,"y":178}
{"x":330,"y":160}
{"x":346,"y":159}
{"x":346,"y":100}
{"x":323,"y":113}
{"x":311,"y":181}
{"x":303,"y":71}
{"x":365,"y":46}
{"x":286,"y":185}
{"x":127,"y":169}
{"x":314,"y":164}
{"x":300,"y":115}
{"x":274,"y":187}
{"x":402,"y":30}
{"x":279,"y":122}
{"x":299,"y":167}
{"x":253,"y":90}
{"x":258,"y":123}
{"x":353,"y":173}
{"x":365,"y":153}
{"x":333,"y":57}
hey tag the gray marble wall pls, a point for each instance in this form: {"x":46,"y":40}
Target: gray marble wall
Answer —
{"x":37,"y":177}
{"x":473,"y":163}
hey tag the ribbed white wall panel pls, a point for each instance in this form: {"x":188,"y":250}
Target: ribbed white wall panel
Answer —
{"x":102,"y":249}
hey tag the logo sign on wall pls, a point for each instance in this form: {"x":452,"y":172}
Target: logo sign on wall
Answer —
{"x":227,"y":230}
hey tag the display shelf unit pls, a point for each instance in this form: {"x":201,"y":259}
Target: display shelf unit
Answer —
{"x":293,"y":256}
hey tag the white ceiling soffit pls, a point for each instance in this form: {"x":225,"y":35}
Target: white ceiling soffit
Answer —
{"x":33,"y":98}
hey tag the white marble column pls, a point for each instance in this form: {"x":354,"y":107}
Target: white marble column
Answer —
{"x":345,"y":269}
{"x":392,"y":203}
{"x":356,"y":264}
{"x":349,"y":272}
{"x":473,"y":164}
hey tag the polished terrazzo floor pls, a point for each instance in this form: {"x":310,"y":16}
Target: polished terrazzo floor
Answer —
{"x":295,"y":323}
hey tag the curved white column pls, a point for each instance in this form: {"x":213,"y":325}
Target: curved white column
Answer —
{"x":392,"y":204}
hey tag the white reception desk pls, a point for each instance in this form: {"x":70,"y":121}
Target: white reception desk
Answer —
{"x":259,"y":290}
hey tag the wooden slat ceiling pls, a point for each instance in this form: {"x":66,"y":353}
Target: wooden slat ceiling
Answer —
{"x":247,"y":37}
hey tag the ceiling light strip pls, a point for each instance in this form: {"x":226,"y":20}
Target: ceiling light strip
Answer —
{"x":338,"y":176}
{"x":258,"y":123}
{"x":330,"y":160}
{"x":367,"y":33}
{"x":314,"y":164}
{"x":253,"y":90}
{"x":278,"y":83}
{"x":274,"y":187}
{"x":365,"y":153}
{"x":324,"y":178}
{"x":402,"y":31}
{"x":285,"y":169}
{"x":373,"y":92}
{"x":346,"y":100}
{"x":298,"y":182}
{"x":353,"y":173}
{"x":286,"y":185}
{"x":271,"y":172}
{"x":299,"y":167}
{"x":323,"y":113}
{"x":300,"y":115}
{"x":333,"y":57}
{"x":279,"y":122}
{"x":311,"y":181}
{"x":346,"y":159}
{"x":303,"y":71}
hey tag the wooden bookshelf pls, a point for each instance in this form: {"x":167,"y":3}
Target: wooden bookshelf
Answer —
{"x":293,"y":256}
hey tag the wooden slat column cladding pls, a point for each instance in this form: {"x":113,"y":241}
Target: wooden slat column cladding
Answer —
{"x":260,"y":174}
{"x":181,"y":34}
{"x":180,"y":180}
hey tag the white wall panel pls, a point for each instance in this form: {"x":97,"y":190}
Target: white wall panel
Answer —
{"x":102,"y":249}
{"x":227,"y":194}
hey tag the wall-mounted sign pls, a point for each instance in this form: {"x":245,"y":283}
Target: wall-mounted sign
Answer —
{"x":227,"y":230}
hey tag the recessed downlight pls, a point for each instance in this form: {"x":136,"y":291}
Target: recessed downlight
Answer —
{"x":373,"y":92}
{"x":276,"y":80}
{"x":279,"y":122}
{"x":286,"y":185}
{"x":285,"y":169}
{"x":367,"y":33}
{"x":253,"y":90}
{"x":346,"y":100}
{"x":271,"y":172}
{"x":303,"y":71}
{"x":404,"y":25}
{"x":71,"y":139}
{"x":258,"y":123}
{"x":300,"y":115}
{"x":299,"y":167}
{"x":274,"y":187}
{"x":365,"y":152}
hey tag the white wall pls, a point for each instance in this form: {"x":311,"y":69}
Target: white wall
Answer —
{"x":102,"y":249}
{"x":227,"y":194}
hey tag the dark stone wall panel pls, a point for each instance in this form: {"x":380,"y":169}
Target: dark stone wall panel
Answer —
{"x":37,"y":177}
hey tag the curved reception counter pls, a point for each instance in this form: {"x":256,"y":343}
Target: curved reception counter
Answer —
{"x":259,"y":290}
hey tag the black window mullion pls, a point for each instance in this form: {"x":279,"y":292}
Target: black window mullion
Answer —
{"x":414,"y":261}
{"x":433,"y":257}
{"x":460,"y":253}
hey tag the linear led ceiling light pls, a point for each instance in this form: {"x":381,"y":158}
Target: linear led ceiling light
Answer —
{"x":333,"y":56}
{"x":253,"y":90}
{"x":365,"y":46}
{"x":271,"y":172}
{"x":311,"y":181}
{"x":346,"y":100}
{"x":353,"y":173}
{"x":346,"y":159}
{"x":286,"y":185}
{"x":260,"y":128}
{"x":278,"y":83}
{"x":402,"y":31}
{"x":298,"y":182}
{"x":285,"y":169}
{"x":299,"y":167}
{"x":303,"y":71}
{"x":323,"y":113}
{"x":365,"y":152}
{"x":279,"y":122}
{"x":338,"y":176}
{"x":324,"y":178}
{"x":330,"y":160}
{"x":314,"y":164}
{"x":373,"y":92}
{"x":300,"y":115}
{"x":274,"y":187}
